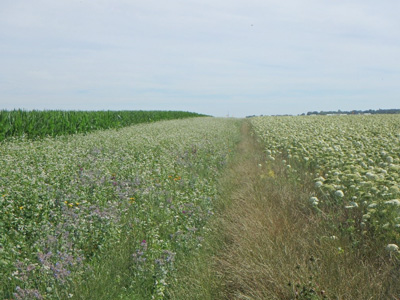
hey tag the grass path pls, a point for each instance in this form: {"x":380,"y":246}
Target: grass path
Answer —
{"x":230,"y":266}
{"x":268,"y":243}
{"x":258,"y":219}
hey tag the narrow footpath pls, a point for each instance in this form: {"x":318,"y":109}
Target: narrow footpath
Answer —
{"x":260,"y":226}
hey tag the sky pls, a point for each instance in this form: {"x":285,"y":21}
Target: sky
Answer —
{"x":216,"y":57}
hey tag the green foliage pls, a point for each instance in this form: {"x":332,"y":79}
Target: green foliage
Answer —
{"x":99,"y":215}
{"x":34,"y":124}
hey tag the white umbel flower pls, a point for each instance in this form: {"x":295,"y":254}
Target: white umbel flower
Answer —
{"x":352,"y":204}
{"x":318,"y":184}
{"x":371,"y":176}
{"x":392,"y":248}
{"x":366,"y":217}
{"x":339,"y":193}
{"x":314,"y":201}
{"x":394,"y":202}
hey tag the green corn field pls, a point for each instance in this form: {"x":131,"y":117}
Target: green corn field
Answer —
{"x":37,"y":124}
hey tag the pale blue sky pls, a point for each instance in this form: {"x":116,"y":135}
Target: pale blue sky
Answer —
{"x":214,"y":57}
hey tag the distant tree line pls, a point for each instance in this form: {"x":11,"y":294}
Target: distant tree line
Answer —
{"x":355,"y":112}
{"x":340,"y":112}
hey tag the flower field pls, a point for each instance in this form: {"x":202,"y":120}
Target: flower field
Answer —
{"x":355,"y":163}
{"x":65,"y":201}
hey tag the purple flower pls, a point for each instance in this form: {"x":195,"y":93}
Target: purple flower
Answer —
{"x":25,"y":294}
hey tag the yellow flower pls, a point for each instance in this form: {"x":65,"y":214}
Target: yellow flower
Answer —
{"x":77,"y":203}
{"x":21,"y":207}
{"x":71,"y":204}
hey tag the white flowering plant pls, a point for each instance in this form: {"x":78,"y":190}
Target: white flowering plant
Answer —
{"x":355,"y":161}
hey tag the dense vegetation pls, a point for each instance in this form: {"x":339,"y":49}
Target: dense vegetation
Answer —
{"x":355,"y":161}
{"x":310,"y":211}
{"x":33,"y":124}
{"x":107,"y":214}
{"x":308,"y":208}
{"x":347,"y":168}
